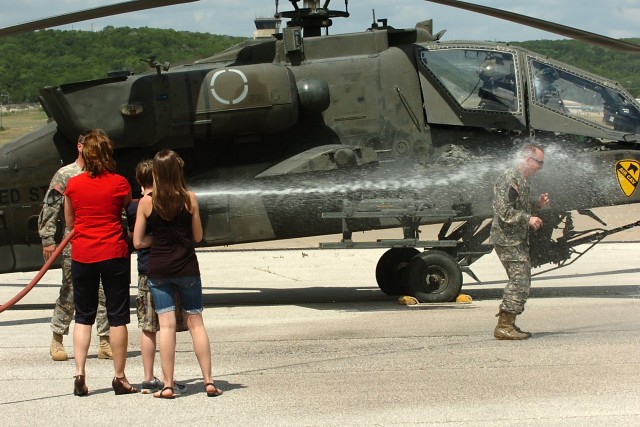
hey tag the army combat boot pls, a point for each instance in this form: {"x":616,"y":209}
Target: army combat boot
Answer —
{"x":528,"y":334}
{"x":104,"y":349}
{"x":506,"y":330}
{"x":57,"y":351}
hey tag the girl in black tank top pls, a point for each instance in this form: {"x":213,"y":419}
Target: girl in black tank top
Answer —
{"x":172,"y":217}
{"x":172,"y":250}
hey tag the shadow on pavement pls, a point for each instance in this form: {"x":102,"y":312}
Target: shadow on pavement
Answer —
{"x":316,"y":296}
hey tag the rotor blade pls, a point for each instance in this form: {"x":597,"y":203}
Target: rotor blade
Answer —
{"x":84,"y":15}
{"x":574,"y":33}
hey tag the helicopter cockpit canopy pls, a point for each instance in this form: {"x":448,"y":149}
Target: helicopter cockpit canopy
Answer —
{"x":476,"y":78}
{"x":583,"y":98}
{"x":511,"y":88}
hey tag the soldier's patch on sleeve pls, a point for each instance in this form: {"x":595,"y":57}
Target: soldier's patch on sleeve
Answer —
{"x":54,"y":195}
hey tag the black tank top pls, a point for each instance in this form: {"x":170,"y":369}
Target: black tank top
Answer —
{"x":173,"y":250}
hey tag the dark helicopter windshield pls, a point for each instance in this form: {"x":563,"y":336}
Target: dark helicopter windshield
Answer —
{"x":478,"y":79}
{"x":584,"y":98}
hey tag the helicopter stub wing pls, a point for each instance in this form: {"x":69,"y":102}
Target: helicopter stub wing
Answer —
{"x":84,"y":15}
{"x":562,"y":30}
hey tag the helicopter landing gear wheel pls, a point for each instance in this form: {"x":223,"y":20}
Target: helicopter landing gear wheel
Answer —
{"x":390,"y":270}
{"x":434,"y":276}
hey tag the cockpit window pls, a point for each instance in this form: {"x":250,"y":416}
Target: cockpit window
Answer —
{"x":477,"y":79}
{"x":577,"y":96}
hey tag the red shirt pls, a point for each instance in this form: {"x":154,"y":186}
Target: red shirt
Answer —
{"x":97,"y":204}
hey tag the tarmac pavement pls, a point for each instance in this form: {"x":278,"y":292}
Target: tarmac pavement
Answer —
{"x":304,"y":338}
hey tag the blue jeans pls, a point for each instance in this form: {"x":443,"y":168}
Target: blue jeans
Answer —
{"x":189,"y":288}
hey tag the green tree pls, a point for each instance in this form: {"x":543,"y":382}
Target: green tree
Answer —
{"x":34,"y":60}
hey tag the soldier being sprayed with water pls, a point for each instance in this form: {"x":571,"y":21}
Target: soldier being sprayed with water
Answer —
{"x":512,"y":222}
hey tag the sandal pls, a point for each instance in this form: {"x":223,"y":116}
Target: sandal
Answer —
{"x":161,"y":394}
{"x":216,"y":391}
{"x":119,"y":386}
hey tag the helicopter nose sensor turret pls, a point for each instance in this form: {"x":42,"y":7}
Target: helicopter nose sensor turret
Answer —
{"x":313,"y":95}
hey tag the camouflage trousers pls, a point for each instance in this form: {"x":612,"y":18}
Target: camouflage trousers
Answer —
{"x":516,"y":262}
{"x":147,"y":317}
{"x":64,"y":309}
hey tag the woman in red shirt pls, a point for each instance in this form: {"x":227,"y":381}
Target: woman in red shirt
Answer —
{"x":93,"y":206}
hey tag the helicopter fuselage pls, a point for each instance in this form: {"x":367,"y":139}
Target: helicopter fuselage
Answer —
{"x":276,"y":133}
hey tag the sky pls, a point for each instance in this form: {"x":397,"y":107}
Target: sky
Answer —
{"x":612,"y":18}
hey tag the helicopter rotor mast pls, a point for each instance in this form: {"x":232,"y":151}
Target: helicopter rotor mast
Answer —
{"x":312,"y":17}
{"x":540,"y":24}
{"x":85,"y":15}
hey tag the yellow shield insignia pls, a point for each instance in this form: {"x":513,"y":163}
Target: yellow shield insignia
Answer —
{"x":628,"y":172}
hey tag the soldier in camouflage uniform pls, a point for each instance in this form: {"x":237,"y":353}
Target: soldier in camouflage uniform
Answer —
{"x":512,"y":220}
{"x":52,"y":217}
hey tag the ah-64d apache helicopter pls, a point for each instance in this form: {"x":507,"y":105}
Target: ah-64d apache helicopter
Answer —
{"x":308,"y":134}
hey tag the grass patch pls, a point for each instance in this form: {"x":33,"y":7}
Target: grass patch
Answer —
{"x":15,"y":124}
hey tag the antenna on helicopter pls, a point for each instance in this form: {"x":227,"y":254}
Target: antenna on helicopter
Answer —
{"x":374,"y":24}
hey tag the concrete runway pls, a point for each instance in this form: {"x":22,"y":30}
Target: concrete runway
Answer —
{"x":304,"y":338}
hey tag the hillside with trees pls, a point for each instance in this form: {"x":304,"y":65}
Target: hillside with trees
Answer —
{"x":50,"y":57}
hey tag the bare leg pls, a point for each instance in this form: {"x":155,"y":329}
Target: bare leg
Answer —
{"x":119,"y":337}
{"x":167,"y":323}
{"x":81,"y":342}
{"x":200,"y":344}
{"x":148,"y":350}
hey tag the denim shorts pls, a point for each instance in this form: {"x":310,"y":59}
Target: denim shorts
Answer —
{"x":189,"y":288}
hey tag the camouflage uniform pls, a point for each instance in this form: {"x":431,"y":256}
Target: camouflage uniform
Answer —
{"x":52,"y":217}
{"x":510,"y":236}
{"x":147,"y":317}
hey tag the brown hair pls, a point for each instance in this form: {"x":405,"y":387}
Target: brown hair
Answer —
{"x":170,"y":194}
{"x":144,"y":173}
{"x":97,"y":152}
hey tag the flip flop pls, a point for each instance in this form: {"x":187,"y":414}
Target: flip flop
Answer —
{"x":160,"y":394}
{"x":215,"y":393}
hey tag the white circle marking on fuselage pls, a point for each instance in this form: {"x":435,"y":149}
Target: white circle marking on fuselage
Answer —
{"x":237,"y":100}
